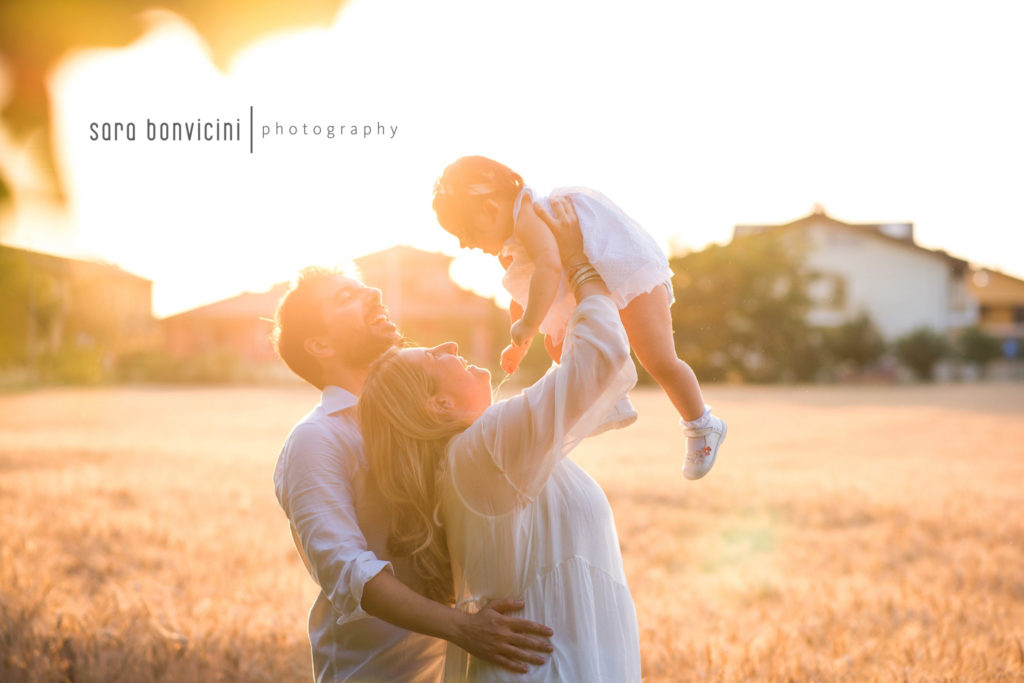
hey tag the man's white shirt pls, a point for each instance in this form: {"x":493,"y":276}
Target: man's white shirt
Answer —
{"x":340,"y":529}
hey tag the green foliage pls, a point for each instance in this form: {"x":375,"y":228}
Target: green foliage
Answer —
{"x":43,"y":331}
{"x":740,"y":311}
{"x":976,"y":346}
{"x":73,"y":365}
{"x":147,"y":366}
{"x":14,"y":283}
{"x":857,"y":342}
{"x":211,"y":367}
{"x":807,"y":356}
{"x":56,"y":327}
{"x":36,"y":34}
{"x":5,"y":191}
{"x":921,"y":349}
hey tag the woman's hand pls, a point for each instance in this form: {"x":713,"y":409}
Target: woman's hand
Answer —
{"x":565,"y":226}
{"x":509,"y":642}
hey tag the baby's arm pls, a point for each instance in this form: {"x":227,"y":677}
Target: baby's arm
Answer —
{"x":515,"y":311}
{"x":513,"y":354}
{"x":535,"y":236}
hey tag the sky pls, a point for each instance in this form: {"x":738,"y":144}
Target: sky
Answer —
{"x":693,"y":117}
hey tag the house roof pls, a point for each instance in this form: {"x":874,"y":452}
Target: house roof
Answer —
{"x":403,"y":254}
{"x":247,"y":305}
{"x":256,"y":305}
{"x":993,"y":288}
{"x":888,"y":232}
{"x":417,"y":284}
{"x":80,"y":264}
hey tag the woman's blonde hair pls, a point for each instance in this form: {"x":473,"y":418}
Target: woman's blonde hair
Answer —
{"x":405,"y":445}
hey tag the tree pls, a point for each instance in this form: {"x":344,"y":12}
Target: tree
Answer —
{"x":36,"y":34}
{"x":857,"y":342}
{"x":14,"y":277}
{"x":976,"y":346}
{"x":921,"y":349}
{"x":740,"y":311}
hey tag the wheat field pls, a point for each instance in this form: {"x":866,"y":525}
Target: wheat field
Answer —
{"x":846,"y":534}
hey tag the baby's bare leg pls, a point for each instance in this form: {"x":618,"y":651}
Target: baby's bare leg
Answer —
{"x":648,"y":323}
{"x":554,"y":350}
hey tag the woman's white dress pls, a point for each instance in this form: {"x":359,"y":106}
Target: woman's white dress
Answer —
{"x":628,"y":259}
{"x":523,"y":520}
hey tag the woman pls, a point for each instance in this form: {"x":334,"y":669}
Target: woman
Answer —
{"x":489,"y":487}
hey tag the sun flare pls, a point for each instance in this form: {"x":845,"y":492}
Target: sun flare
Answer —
{"x":871,"y":135}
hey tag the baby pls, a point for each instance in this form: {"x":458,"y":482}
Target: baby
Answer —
{"x":486,"y":206}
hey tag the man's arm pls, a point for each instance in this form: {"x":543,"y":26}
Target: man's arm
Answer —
{"x":315,"y":490}
{"x":313,"y":483}
{"x":488,"y":634}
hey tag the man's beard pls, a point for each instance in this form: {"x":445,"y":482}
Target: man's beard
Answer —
{"x":368,"y":347}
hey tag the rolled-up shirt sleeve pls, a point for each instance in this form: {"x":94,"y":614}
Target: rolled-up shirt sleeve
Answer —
{"x":314,"y":484}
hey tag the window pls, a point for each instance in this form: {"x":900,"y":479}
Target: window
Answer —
{"x":829,"y":292}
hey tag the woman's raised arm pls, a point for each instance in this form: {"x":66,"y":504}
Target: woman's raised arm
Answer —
{"x":507,"y":455}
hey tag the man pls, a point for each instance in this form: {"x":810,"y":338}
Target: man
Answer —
{"x":366,"y":625}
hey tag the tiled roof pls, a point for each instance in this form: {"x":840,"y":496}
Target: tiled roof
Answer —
{"x":882,"y":231}
{"x":249,"y":305}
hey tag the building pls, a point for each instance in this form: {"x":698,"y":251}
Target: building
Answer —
{"x":422,"y":299}
{"x":235,"y":330}
{"x":1000,"y":299}
{"x":430,"y":308}
{"x":73,"y":317}
{"x":878,"y":269}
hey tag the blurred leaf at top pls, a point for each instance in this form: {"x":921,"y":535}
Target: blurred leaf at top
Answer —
{"x":35,"y":34}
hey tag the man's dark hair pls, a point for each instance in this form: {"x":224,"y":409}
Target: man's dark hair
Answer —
{"x":300,"y":316}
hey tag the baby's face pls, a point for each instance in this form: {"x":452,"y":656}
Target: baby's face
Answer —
{"x":485,"y":231}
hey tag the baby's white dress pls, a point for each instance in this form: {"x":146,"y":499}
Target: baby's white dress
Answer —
{"x":524,"y":521}
{"x":626,"y":257}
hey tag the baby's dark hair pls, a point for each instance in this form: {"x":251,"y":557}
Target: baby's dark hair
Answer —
{"x":465,"y":184}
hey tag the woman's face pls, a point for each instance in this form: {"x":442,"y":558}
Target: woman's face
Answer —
{"x":463,"y":390}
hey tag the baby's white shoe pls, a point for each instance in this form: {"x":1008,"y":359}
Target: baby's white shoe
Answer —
{"x":702,"y":444}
